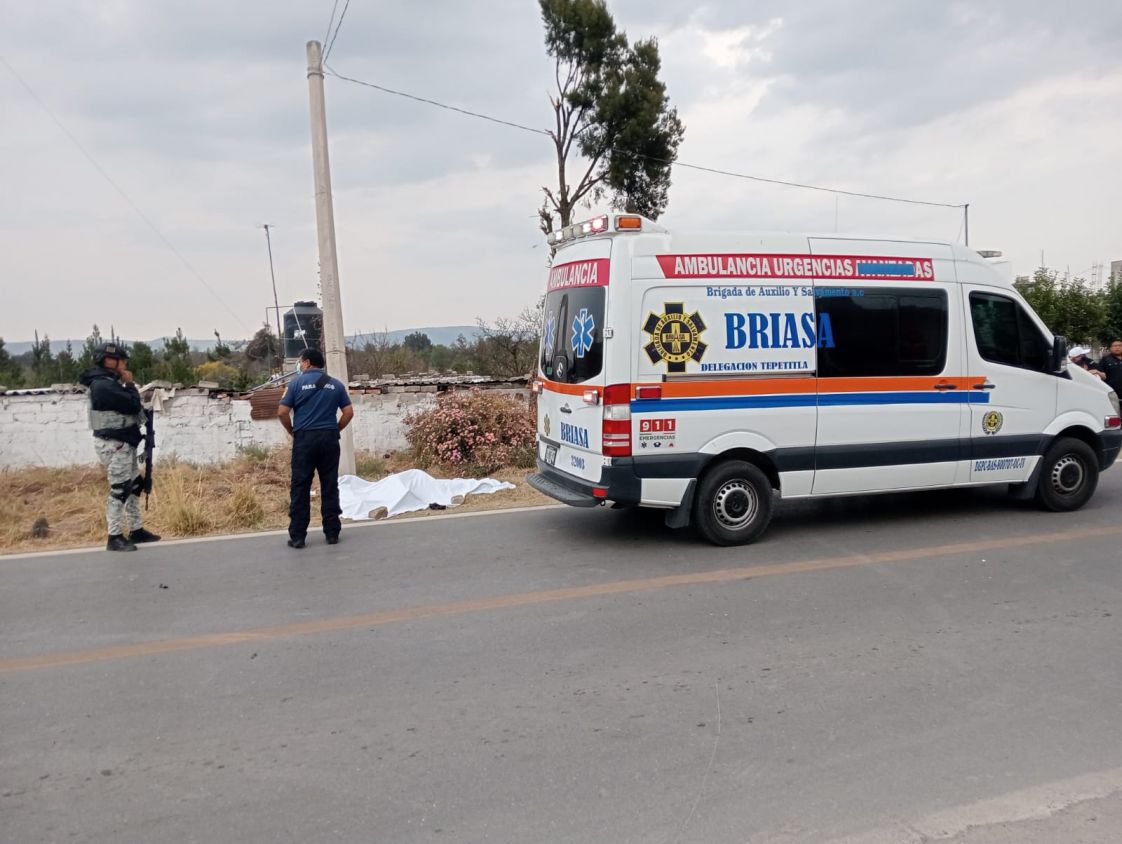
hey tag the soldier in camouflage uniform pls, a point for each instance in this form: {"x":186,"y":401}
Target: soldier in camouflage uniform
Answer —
{"x":116,"y":415}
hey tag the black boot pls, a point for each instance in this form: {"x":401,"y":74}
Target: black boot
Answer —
{"x":142,"y":535}
{"x":118,"y":543}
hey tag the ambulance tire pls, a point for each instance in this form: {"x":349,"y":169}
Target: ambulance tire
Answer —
{"x":733,"y":503}
{"x":1069,"y":474}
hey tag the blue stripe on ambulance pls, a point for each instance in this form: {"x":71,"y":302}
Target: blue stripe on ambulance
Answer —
{"x":806,"y":400}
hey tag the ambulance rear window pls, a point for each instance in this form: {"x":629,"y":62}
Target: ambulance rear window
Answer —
{"x":572,"y":337}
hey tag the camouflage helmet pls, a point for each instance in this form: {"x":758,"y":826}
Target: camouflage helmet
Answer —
{"x":111,"y":349}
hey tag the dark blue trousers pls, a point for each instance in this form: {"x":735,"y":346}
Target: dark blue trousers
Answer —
{"x":314,"y":452}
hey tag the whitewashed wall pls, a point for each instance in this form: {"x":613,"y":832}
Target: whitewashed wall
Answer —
{"x":52,"y":429}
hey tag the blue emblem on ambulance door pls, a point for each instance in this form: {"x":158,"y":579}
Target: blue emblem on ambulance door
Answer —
{"x":583,"y":326}
{"x":550,"y":333}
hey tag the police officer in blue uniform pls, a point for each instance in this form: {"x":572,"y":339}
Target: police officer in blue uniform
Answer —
{"x":314,"y":410}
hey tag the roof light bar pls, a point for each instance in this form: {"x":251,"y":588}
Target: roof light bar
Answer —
{"x":597,"y":225}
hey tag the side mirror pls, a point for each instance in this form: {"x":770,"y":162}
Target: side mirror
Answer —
{"x":1059,"y":354}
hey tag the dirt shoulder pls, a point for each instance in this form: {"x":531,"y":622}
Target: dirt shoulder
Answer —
{"x":50,"y":509}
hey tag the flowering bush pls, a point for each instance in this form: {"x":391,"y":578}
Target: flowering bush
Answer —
{"x":477,"y":431}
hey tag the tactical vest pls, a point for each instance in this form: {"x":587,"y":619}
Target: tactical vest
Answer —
{"x":111,"y":420}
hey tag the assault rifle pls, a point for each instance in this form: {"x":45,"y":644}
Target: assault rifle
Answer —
{"x":149,"y":447}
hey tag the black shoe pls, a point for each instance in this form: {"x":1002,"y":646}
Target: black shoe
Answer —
{"x":142,"y":535}
{"x":333,"y":540}
{"x":118,"y":543}
{"x":296,"y":543}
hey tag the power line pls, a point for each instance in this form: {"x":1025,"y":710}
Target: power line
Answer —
{"x":836,"y":191}
{"x":338,"y":75}
{"x":122,"y":193}
{"x":338,"y":26}
{"x":674,"y":163}
{"x":331,"y":21}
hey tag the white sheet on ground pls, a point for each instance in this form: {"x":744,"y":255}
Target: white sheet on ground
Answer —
{"x":405,"y":492}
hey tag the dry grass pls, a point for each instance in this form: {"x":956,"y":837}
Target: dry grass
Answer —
{"x":247,"y":494}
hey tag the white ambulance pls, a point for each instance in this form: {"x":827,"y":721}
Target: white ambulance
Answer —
{"x":707,"y":374}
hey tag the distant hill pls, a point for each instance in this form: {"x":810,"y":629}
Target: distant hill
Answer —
{"x":444,"y":335}
{"x":22,"y":346}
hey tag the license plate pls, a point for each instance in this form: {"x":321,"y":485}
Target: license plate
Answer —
{"x":551,"y":454}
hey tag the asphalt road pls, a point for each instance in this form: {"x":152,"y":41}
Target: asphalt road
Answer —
{"x":938,"y":666}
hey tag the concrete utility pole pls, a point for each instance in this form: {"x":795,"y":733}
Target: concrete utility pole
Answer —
{"x":334,"y":340}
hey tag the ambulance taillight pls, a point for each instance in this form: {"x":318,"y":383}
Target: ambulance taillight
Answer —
{"x":617,"y":420}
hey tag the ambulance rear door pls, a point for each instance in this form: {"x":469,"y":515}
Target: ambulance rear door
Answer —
{"x":571,"y":364}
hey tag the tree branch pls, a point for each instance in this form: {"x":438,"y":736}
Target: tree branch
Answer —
{"x":585,"y":187}
{"x":571,"y":134}
{"x":557,"y":78}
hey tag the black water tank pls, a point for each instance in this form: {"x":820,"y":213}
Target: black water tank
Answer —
{"x":303,"y":328}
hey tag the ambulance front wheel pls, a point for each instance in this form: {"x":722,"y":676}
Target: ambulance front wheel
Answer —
{"x":733,"y":503}
{"x":1068,"y":475}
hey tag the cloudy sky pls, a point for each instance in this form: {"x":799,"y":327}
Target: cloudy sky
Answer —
{"x":198,"y":112}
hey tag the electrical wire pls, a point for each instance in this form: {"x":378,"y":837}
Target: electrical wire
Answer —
{"x":674,"y":163}
{"x":835,"y":191}
{"x":136,"y":208}
{"x":338,"y":26}
{"x":331,"y":21}
{"x":338,"y":75}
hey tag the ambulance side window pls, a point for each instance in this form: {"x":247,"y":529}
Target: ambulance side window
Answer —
{"x":881,"y":332}
{"x":1006,"y":334}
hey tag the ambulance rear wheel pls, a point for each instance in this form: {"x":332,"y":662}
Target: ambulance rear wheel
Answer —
{"x":733,"y":503}
{"x":1068,"y":475}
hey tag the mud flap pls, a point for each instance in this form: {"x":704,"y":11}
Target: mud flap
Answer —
{"x":679,"y":517}
{"x":1027,"y":490}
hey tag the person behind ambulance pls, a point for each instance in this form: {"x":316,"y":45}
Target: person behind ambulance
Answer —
{"x":1111,"y":365}
{"x":116,"y":415}
{"x":308,"y":412}
{"x":1080,"y":356}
